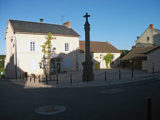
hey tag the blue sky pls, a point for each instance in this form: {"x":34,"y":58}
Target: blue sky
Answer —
{"x":116,"y":21}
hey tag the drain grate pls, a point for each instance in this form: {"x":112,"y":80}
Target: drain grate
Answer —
{"x":50,"y":110}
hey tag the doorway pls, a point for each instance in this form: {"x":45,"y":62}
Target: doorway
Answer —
{"x":55,"y":66}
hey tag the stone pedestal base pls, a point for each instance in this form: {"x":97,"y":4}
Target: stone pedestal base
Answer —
{"x":88,"y":74}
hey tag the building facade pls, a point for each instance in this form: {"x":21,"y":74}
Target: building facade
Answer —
{"x":24,"y":51}
{"x":149,"y":37}
{"x":145,"y":54}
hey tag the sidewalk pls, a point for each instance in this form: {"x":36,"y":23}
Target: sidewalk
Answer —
{"x":113,"y":76}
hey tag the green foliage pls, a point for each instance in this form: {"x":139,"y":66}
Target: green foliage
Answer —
{"x":124,"y":52}
{"x":108,"y":58}
{"x":46,"y":49}
{"x":2,"y":61}
{"x":1,"y":64}
{"x":2,"y":70}
{"x":2,"y":56}
{"x":47,"y":45}
{"x":97,"y":65}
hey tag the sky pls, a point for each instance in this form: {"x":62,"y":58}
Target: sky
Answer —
{"x":117,"y":21}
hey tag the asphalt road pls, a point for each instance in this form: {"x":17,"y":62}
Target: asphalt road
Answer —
{"x":116,"y":102}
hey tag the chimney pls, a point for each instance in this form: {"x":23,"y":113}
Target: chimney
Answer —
{"x":151,"y":26}
{"x":67,"y":24}
{"x":41,"y":20}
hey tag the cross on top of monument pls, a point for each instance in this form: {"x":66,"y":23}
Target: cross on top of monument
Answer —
{"x":86,"y":16}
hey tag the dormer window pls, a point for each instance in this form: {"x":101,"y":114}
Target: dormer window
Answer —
{"x":147,"y":39}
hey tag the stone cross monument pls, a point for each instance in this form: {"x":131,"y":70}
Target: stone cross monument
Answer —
{"x":87,"y":64}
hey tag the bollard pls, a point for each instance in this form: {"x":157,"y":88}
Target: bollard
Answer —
{"x":50,"y":77}
{"x":20,"y":76}
{"x":153,"y":68}
{"x":23,"y":76}
{"x":71,"y":78}
{"x":105,"y":77}
{"x":34,"y":78}
{"x":149,"y":109}
{"x":132,"y":72}
{"x":119,"y":74}
{"x":39,"y":77}
{"x":46,"y":79}
{"x":57,"y":78}
{"x":26,"y":78}
{"x":30,"y":78}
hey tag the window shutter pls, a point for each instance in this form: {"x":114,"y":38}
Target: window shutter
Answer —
{"x":36,"y":46}
{"x":63,"y":47}
{"x":28,"y":47}
{"x":33,"y":64}
{"x":70,"y":47}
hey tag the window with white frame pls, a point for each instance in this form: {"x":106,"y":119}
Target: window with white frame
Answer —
{"x":32,"y":46}
{"x":66,"y":46}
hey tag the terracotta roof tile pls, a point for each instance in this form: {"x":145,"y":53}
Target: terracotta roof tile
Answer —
{"x":99,"y":47}
{"x":138,"y":52}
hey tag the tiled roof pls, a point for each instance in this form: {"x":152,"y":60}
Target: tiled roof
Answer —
{"x":138,"y":52}
{"x":99,"y":47}
{"x":157,"y":30}
{"x":41,"y":28}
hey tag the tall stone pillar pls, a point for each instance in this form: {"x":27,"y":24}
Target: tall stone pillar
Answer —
{"x":88,"y":74}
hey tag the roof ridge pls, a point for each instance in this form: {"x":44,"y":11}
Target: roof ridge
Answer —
{"x":37,"y":27}
{"x":36,"y":22}
{"x":156,"y":29}
{"x":95,"y":41}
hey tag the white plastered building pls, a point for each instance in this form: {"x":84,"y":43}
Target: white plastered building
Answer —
{"x":24,"y":52}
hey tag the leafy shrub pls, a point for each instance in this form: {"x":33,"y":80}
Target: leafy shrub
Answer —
{"x":108,"y":58}
{"x":97,"y":65}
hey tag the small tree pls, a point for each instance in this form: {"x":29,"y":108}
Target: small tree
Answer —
{"x":124,"y":52}
{"x":108,"y":58}
{"x":46,"y":49}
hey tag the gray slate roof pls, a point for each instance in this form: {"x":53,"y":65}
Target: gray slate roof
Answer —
{"x":42,"y":28}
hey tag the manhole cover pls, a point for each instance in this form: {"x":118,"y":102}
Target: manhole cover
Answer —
{"x":50,"y":109}
{"x":112,"y":91}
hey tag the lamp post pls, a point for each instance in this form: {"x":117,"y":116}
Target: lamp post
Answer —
{"x":132,"y":66}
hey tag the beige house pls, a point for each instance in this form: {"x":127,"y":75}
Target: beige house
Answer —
{"x":23,"y":48}
{"x":153,"y":57}
{"x":145,"y":55}
{"x":99,"y":50}
{"x":149,"y":37}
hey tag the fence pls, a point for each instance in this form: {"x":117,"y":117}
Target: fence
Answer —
{"x":108,"y":75}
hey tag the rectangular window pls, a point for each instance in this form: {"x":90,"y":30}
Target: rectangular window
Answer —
{"x":32,"y":46}
{"x":66,"y":46}
{"x":147,"y":39}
